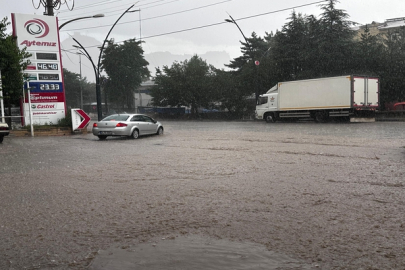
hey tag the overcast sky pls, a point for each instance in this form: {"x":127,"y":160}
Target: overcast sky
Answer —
{"x":165,"y":25}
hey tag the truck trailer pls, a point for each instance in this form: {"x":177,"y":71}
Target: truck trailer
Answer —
{"x":348,"y":97}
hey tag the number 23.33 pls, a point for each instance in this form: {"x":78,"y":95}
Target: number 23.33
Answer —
{"x":48,"y":86}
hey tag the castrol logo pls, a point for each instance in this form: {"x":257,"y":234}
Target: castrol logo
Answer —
{"x":40,"y":106}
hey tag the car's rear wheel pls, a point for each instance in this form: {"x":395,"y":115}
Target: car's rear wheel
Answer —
{"x":135,"y":134}
{"x":160,"y":131}
{"x":102,"y":137}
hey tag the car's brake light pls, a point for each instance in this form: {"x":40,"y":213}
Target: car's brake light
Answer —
{"x":95,"y":125}
{"x":121,"y":125}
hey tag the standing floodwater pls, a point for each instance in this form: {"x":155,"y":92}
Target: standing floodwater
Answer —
{"x":321,"y":196}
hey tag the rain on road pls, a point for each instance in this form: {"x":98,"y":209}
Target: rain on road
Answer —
{"x":327,"y":196}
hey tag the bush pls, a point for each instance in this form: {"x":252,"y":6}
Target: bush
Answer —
{"x":67,"y":121}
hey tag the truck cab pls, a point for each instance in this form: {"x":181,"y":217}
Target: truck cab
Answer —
{"x":267,"y":105}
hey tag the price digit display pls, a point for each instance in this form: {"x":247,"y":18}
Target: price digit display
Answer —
{"x":47,"y":66}
{"x":47,"y":56}
{"x":48,"y":86}
{"x":45,"y":77}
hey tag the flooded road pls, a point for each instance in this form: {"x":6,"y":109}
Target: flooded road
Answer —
{"x":320,"y":196}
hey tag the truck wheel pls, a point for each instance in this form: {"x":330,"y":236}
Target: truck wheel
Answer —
{"x":321,"y":117}
{"x":270,"y":118}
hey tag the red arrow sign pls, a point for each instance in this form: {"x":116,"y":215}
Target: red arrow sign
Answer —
{"x":84,"y":119}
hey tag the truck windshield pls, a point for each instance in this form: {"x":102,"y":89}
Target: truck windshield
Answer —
{"x":262,"y":100}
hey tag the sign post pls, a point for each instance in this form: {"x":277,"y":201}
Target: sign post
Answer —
{"x":80,"y":119}
{"x":40,"y":36}
{"x":1,"y":100}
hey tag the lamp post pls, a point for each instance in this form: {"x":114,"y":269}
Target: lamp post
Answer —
{"x":97,"y":67}
{"x":81,"y":87}
{"x":81,"y":18}
{"x":255,"y":63}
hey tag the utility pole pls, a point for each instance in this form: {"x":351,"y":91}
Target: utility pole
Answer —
{"x":81,"y":87}
{"x":50,"y":5}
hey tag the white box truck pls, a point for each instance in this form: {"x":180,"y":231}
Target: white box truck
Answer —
{"x":350,"y":97}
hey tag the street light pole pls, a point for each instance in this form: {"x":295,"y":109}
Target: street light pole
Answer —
{"x":97,"y":68}
{"x":240,"y":30}
{"x":251,"y":55}
{"x":81,"y":87}
{"x":81,"y":18}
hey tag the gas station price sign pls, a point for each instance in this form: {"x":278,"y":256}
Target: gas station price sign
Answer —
{"x":47,"y":66}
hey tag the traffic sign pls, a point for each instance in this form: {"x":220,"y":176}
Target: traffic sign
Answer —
{"x":80,"y":119}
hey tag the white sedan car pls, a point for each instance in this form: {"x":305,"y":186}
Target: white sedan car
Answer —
{"x":132,"y":125}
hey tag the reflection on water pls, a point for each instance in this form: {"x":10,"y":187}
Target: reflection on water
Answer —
{"x":194,"y":252}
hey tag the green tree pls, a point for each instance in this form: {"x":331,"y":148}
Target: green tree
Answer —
{"x":126,"y":68}
{"x":289,"y":46}
{"x":249,"y":75}
{"x":229,"y":94}
{"x":12,"y":62}
{"x":393,"y":74}
{"x":72,"y":85}
{"x":188,"y":83}
{"x":369,"y":54}
{"x":334,"y":53}
{"x":75,"y":87}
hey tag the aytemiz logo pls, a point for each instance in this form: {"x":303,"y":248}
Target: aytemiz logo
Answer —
{"x":37,"y":27}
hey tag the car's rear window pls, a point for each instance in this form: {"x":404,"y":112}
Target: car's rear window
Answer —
{"x":116,"y":117}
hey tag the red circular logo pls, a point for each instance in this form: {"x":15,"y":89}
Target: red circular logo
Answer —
{"x":37,"y":27}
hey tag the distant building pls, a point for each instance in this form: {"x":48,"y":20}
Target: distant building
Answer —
{"x":376,"y":28}
{"x":142,"y":94}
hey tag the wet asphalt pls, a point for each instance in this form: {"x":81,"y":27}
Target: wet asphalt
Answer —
{"x":295,"y":195}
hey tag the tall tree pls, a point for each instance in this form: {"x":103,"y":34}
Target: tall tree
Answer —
{"x":290,"y":45}
{"x":247,"y":73}
{"x":229,"y":94}
{"x":75,"y":88}
{"x":393,"y":74}
{"x":369,"y":54}
{"x":335,"y":41}
{"x":126,"y":68}
{"x":12,"y":62}
{"x":188,"y":83}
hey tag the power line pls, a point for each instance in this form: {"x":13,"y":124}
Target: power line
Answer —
{"x":99,"y":4}
{"x":215,"y":24}
{"x":120,"y":10}
{"x":240,"y":19}
{"x":151,"y":18}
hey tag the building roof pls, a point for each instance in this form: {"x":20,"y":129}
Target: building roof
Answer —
{"x":392,"y":23}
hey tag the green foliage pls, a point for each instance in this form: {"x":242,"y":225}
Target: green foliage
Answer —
{"x":74,"y":87}
{"x":126,"y":69}
{"x":230,"y":96}
{"x":66,"y":121}
{"x":12,"y":61}
{"x":393,"y":72}
{"x":187,"y":83}
{"x":306,"y":47}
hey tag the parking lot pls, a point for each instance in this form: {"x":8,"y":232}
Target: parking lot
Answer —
{"x":321,"y":196}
